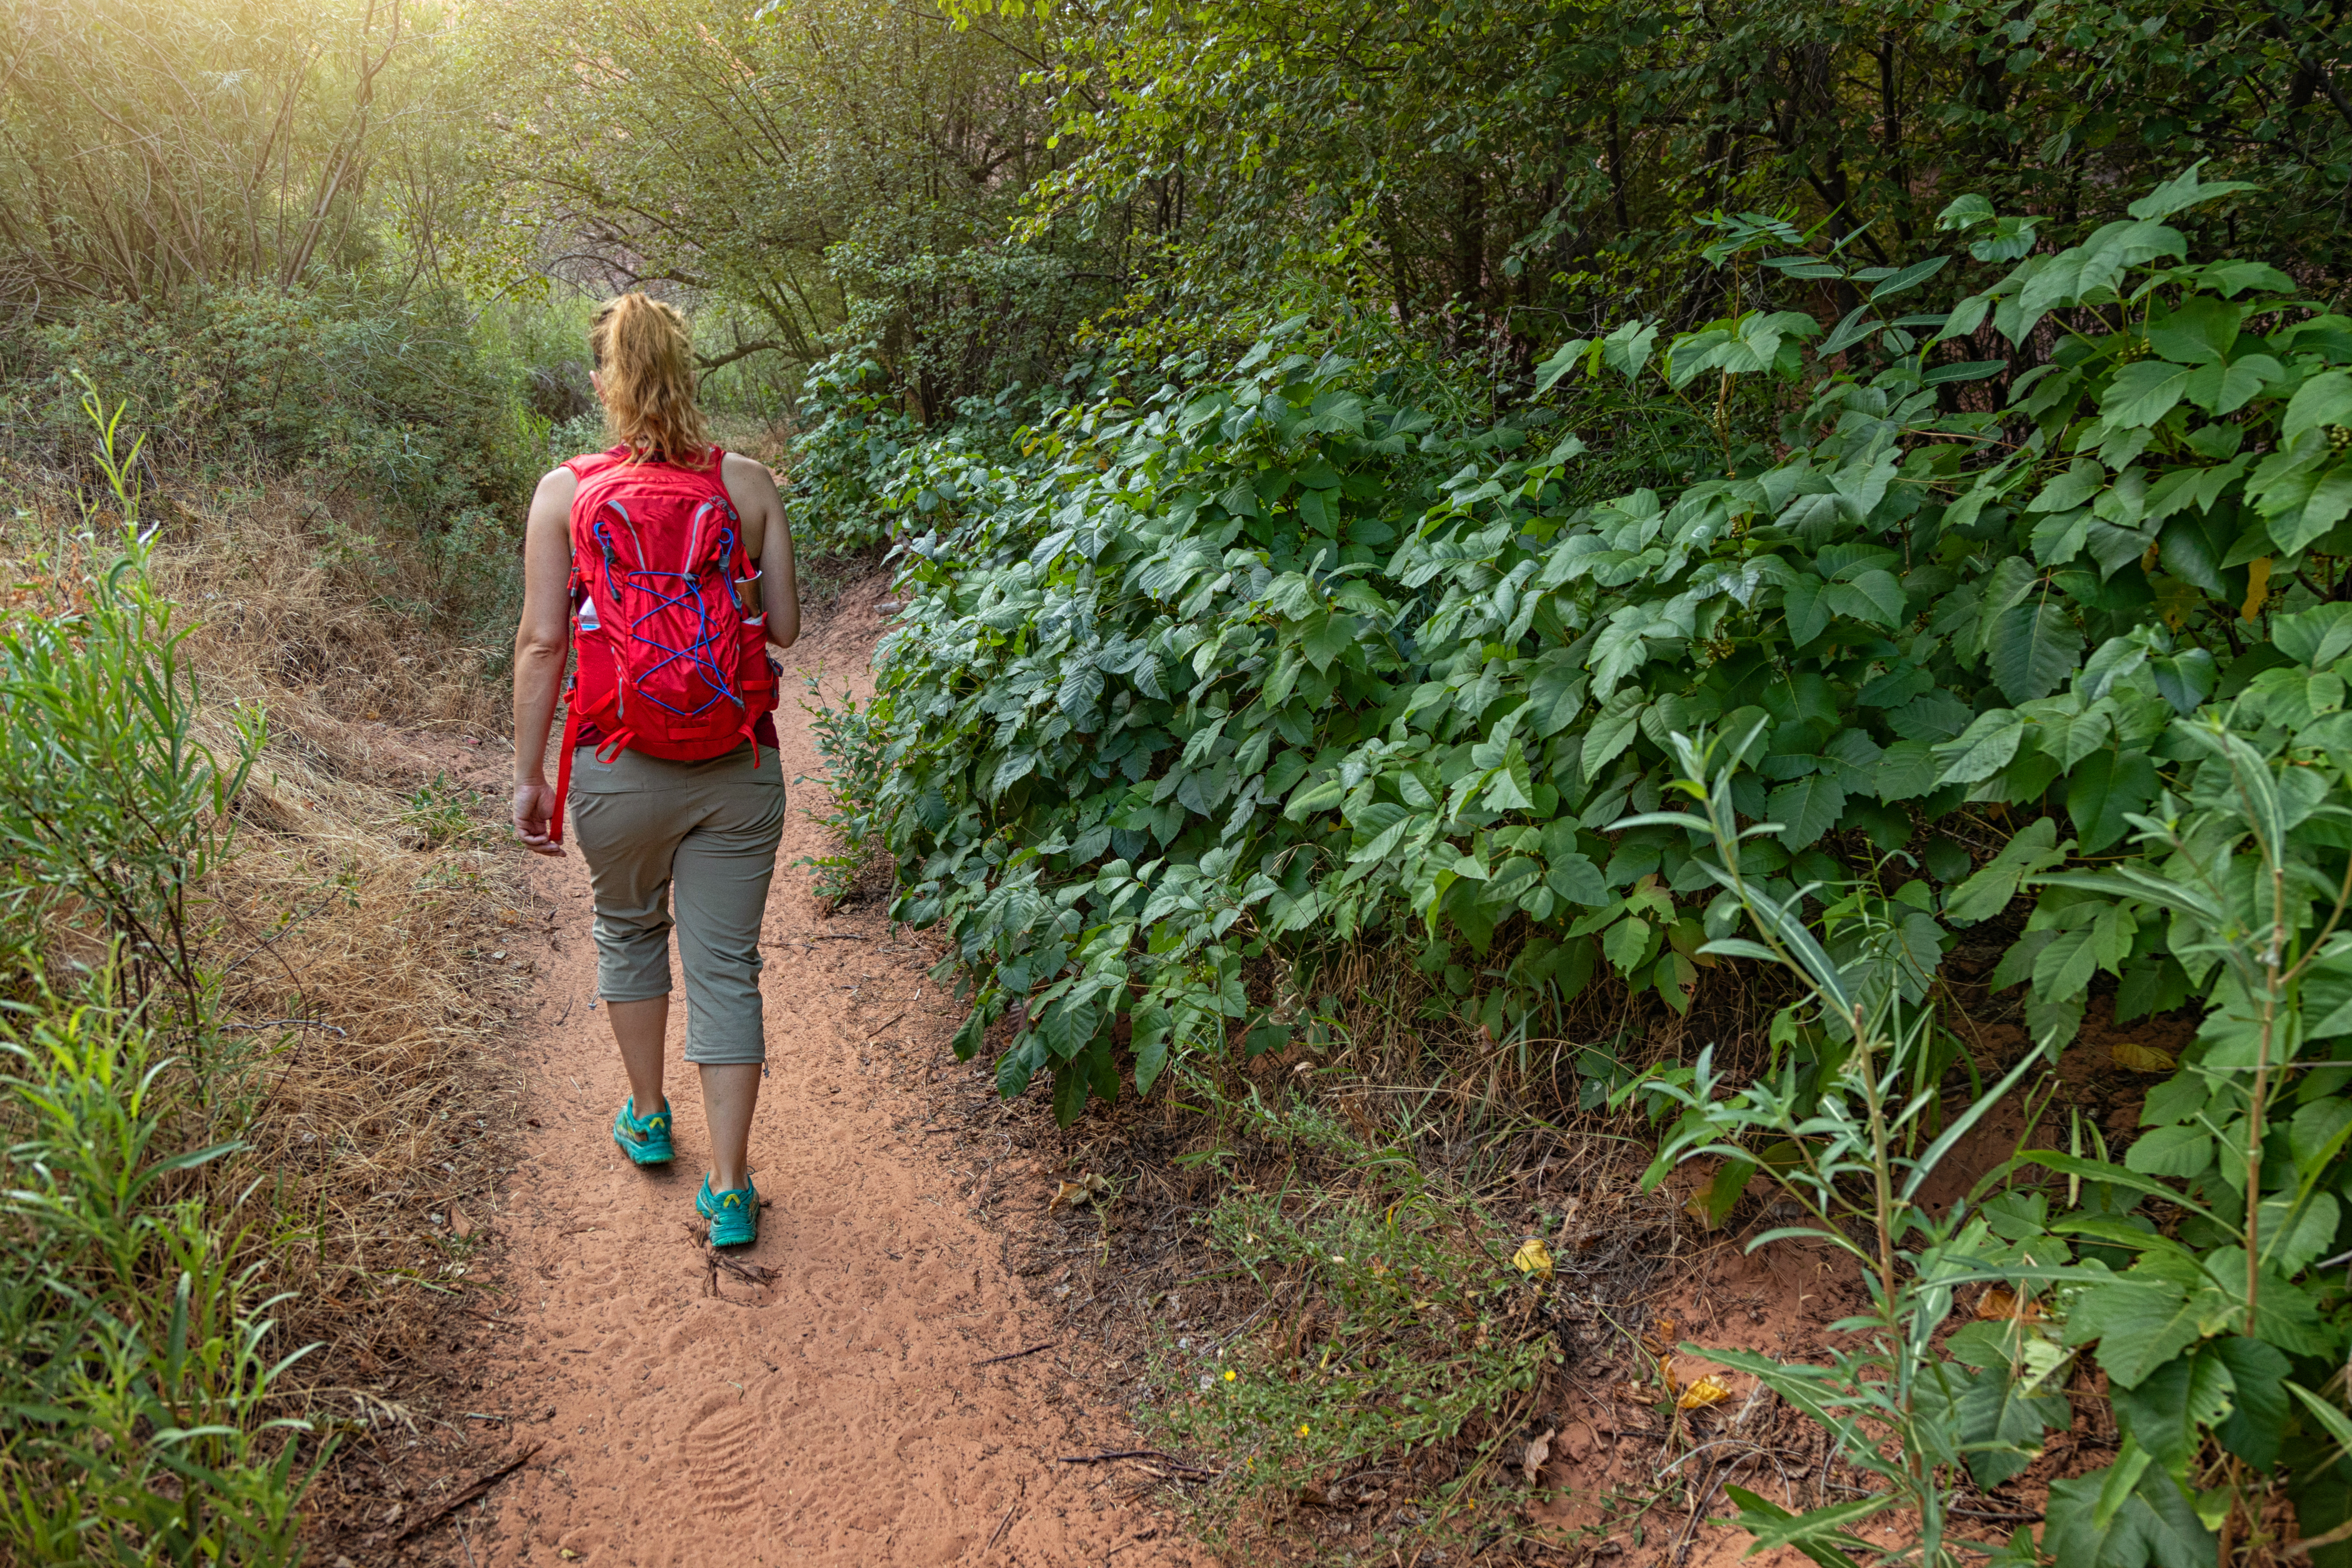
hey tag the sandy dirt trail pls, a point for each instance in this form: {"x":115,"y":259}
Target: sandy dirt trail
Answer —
{"x":836,"y":1415}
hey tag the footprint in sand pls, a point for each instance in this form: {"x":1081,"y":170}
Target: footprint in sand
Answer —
{"x":723,"y":1453}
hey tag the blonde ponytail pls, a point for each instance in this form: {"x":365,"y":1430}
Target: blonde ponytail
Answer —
{"x":644,"y":358}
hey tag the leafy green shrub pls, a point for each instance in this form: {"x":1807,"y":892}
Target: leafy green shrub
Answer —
{"x":853,"y":760}
{"x":386,"y":392}
{"x":2193,"y":1266}
{"x":841,"y":462}
{"x":1275,"y":660}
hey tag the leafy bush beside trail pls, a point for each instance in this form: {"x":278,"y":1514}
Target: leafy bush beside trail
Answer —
{"x":1274,"y":658}
{"x":1196,"y":687}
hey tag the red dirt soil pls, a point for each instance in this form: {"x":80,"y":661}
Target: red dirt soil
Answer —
{"x":835,"y":1415}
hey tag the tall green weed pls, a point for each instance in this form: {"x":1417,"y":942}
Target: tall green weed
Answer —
{"x":137,"y":1421}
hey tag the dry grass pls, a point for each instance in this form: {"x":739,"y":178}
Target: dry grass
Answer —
{"x":379,"y":1109}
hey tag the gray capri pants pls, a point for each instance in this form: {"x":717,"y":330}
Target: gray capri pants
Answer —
{"x":710,"y":827}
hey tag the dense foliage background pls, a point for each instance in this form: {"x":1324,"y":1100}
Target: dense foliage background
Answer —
{"x":1335,"y":456}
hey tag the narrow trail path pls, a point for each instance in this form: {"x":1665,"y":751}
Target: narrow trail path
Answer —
{"x":835,"y":1415}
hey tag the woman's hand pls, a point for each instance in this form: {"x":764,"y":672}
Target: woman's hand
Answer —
{"x":533,"y":805}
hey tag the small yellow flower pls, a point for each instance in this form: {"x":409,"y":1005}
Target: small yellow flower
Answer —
{"x":1302,"y":1428}
{"x":1231,"y":1375}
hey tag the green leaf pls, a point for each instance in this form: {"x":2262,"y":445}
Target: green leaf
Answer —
{"x":2103,"y":787}
{"x":1071,"y":1087}
{"x":2324,"y":399}
{"x":2201,"y":330}
{"x":2140,"y":1324}
{"x":2180,"y":1152}
{"x":1984,"y":748}
{"x":1806,"y":808}
{"x":1612,"y":729}
{"x":2224,"y":389}
{"x":1512,"y":788}
{"x":966,"y":1043}
{"x":2154,"y":1527}
{"x":1722,"y":1194}
{"x":2169,"y":1408}
{"x":1905,"y":770}
{"x":2182,"y":192}
{"x":2331,"y":1419}
{"x":2293,"y":1235}
{"x":1326,"y":637}
{"x":1989,"y":892}
{"x":1999,"y":1425}
{"x":1964,"y":370}
{"x":1874,"y":595}
{"x":1857,"y":324}
{"x":2033,"y":648}
{"x":1561,"y":360}
{"x":1625,"y":943}
{"x":1804,"y":603}
{"x":2184,"y":679}
{"x":2257,"y":1398}
{"x":2064,"y":967}
{"x":1153,"y":1026}
{"x":1910,"y":278}
{"x":1757,"y":1515}
{"x":2326,"y":994}
{"x":1577,"y":881}
{"x":2143,"y":394}
{"x":1312,"y":797}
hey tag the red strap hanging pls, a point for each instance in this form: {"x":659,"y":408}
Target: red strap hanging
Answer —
{"x":564,"y":772}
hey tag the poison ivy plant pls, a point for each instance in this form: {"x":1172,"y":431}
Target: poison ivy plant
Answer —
{"x":1252,"y":662}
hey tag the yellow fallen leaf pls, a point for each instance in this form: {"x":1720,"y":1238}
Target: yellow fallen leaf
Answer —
{"x":2258,"y":587}
{"x":2133,"y":1057}
{"x":2000,"y":1302}
{"x":1532,"y":1258}
{"x":1709,"y":1390}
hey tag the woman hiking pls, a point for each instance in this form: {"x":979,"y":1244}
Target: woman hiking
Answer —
{"x":666,"y":563}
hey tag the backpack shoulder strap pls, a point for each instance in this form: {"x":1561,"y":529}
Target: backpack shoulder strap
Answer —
{"x":589,"y":464}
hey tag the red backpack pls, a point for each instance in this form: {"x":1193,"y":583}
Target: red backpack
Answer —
{"x":669,"y":664}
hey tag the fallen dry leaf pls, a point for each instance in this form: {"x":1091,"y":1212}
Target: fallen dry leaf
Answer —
{"x":1660,"y":1339}
{"x":2133,"y":1057}
{"x":1532,"y":1258}
{"x":1085,"y":1190}
{"x":1537,"y":1452}
{"x":1712,"y":1389}
{"x":2000,"y":1302}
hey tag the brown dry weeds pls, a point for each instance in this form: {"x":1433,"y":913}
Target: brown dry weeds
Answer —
{"x":357,"y":938}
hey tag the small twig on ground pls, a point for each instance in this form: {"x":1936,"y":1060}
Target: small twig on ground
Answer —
{"x":1016,"y":1355}
{"x":1170,"y":1460}
{"x":996,"y":1534}
{"x":488,"y":1317}
{"x":752,"y":1273}
{"x":481,"y":1485}
{"x":877,"y":1032}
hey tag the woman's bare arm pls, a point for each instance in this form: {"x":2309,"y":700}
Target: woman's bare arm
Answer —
{"x":542,"y":643}
{"x":768,"y":539}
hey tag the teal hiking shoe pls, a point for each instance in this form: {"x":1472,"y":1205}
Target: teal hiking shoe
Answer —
{"x":645,"y":1142}
{"x":734,"y":1216}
